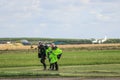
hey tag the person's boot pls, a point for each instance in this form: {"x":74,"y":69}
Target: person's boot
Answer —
{"x":56,"y":66}
{"x":44,"y":66}
{"x":52,"y":66}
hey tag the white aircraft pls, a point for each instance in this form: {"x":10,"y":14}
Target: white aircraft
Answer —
{"x":95,"y":41}
{"x":99,"y":41}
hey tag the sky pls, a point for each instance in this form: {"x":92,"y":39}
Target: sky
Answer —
{"x":60,"y":18}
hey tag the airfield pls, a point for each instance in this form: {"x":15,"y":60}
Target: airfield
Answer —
{"x":79,"y":62}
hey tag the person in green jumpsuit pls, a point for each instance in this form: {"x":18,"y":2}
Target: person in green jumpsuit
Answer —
{"x":53,"y":61}
{"x":54,"y":56}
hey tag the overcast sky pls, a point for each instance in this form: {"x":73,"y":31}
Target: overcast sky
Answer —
{"x":60,"y":18}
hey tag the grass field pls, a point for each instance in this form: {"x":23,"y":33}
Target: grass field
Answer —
{"x":85,"y":63}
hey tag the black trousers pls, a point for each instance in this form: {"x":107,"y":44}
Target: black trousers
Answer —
{"x":54,"y":66}
{"x":42,"y":60}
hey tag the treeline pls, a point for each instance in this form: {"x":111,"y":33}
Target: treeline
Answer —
{"x":85,"y":41}
{"x":113,"y":41}
{"x":56,"y":40}
{"x":75,"y":41}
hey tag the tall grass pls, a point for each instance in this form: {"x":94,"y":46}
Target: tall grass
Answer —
{"x":18,"y":58}
{"x":90,"y":57}
{"x":83,"y":57}
{"x":96,"y":63}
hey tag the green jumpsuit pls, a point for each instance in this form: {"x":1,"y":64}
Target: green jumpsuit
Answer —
{"x":54,"y":58}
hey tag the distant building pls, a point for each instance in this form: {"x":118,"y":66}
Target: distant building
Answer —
{"x":8,"y":42}
{"x":58,"y":43}
{"x":25,"y":42}
{"x":3,"y":42}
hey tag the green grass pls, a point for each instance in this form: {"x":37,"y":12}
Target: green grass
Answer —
{"x":91,"y":57}
{"x":18,"y":58}
{"x":73,"y":63}
{"x":104,"y":70}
